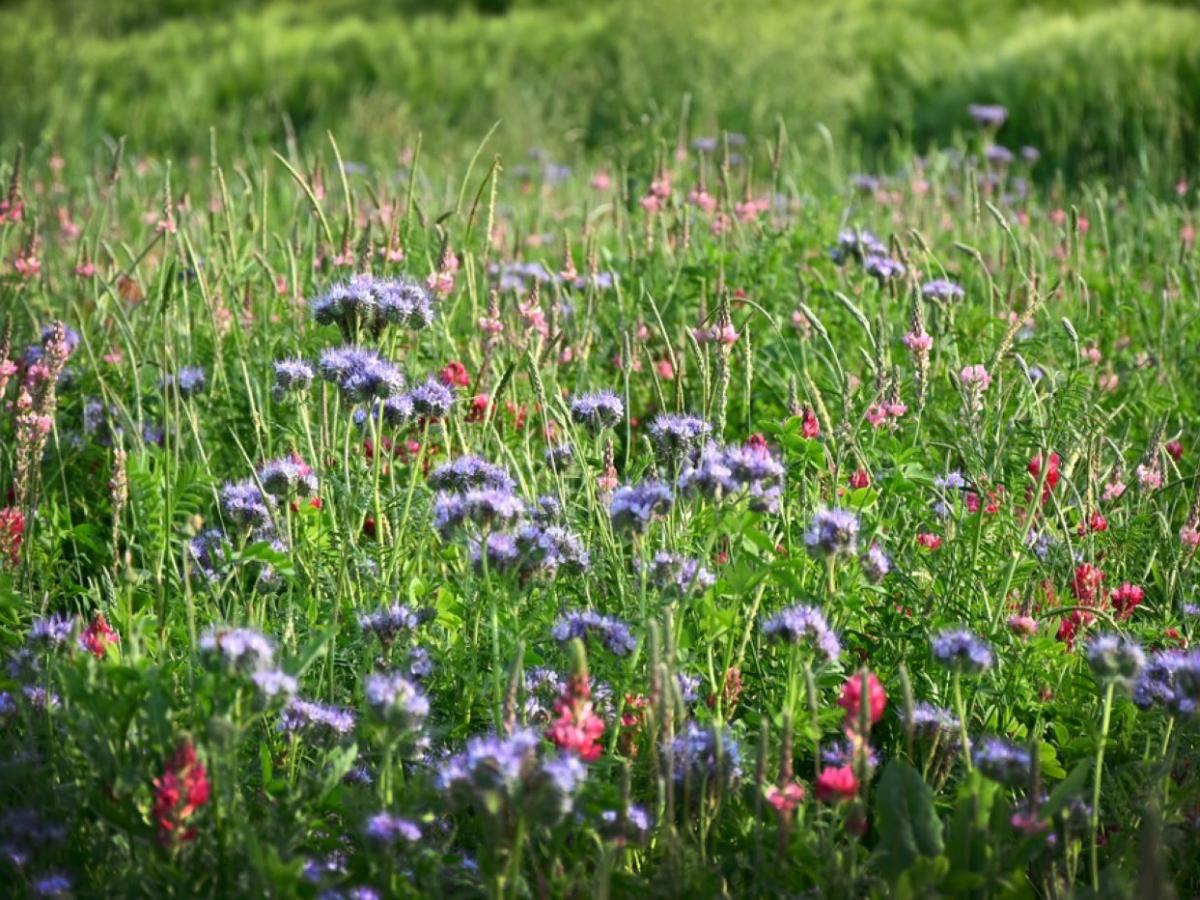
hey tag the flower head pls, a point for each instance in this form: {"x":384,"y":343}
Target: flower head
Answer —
{"x":832,"y":533}
{"x":962,"y":651}
{"x":804,"y":625}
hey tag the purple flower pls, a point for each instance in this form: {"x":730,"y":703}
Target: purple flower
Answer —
{"x":634,"y":506}
{"x":1171,"y":679}
{"x":998,"y":157}
{"x":272,"y":683}
{"x":396,"y":700}
{"x":679,"y":575}
{"x":361,"y":374}
{"x":467,"y":472}
{"x":52,"y":632}
{"x":490,"y":763}
{"x":987,"y":115}
{"x":502,"y":552}
{"x":856,"y":244}
{"x":388,"y":621}
{"x":804,"y":625}
{"x":188,"y":381}
{"x":928,"y":720}
{"x":245,"y":505}
{"x":883,"y":268}
{"x":832,"y":533}
{"x":431,"y":399}
{"x":366,"y":302}
{"x":384,"y":828}
{"x":875,"y":564}
{"x":597,"y":411}
{"x":951,"y":481}
{"x":485,"y":507}
{"x":555,"y":785}
{"x":1115,"y":658}
{"x":634,"y":826}
{"x":1030,"y":154}
{"x":284,"y":477}
{"x":315,"y":719}
{"x":395,"y":412}
{"x":613,"y":633}
{"x":542,"y":687}
{"x":962,"y":651}
{"x":559,"y":458}
{"x":547,"y":510}
{"x":706,"y":755}
{"x":841,"y":753}
{"x":292,"y":375}
{"x":942,"y":290}
{"x":674,"y":434}
{"x":207,"y":552}
{"x":547,"y":548}
{"x":240,"y":649}
{"x":53,"y":884}
{"x":1003,"y":762}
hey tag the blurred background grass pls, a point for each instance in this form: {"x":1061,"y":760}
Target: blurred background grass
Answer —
{"x":1098,"y":87}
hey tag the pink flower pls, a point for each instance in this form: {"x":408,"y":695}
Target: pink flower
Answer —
{"x":1127,"y":598}
{"x":860,"y":479}
{"x":601,"y":181}
{"x":97,"y":637}
{"x":1174,"y":450}
{"x":1023,"y":625}
{"x":836,"y":783}
{"x":976,"y":375}
{"x":876,"y":415}
{"x":726,"y":335}
{"x":851,"y":699}
{"x":809,"y":426}
{"x":85,"y":269}
{"x":651,"y":203}
{"x":577,"y":729}
{"x":660,"y":187}
{"x":1189,"y":536}
{"x":702,"y":199}
{"x":929,"y":541}
{"x":1113,"y":490}
{"x":666,"y":371}
{"x":787,"y":798}
{"x":918,"y":342}
{"x":1149,"y":477}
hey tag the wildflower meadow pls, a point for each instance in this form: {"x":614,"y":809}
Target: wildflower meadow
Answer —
{"x":708,"y":517}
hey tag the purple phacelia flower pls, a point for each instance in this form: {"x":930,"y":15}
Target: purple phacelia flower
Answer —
{"x":389,"y":621}
{"x":987,"y":115}
{"x":292,"y":375}
{"x":502,"y":552}
{"x":467,"y":472}
{"x":875,"y":564}
{"x":52,"y":632}
{"x":316,"y":720}
{"x":188,"y":381}
{"x":706,"y":755}
{"x":678,"y":575}
{"x":361,"y":374}
{"x":883,"y":268}
{"x":962,"y":651}
{"x":1003,"y":762}
{"x":674,"y":435}
{"x":597,"y":411}
{"x":832,"y":533}
{"x":244,"y":504}
{"x":804,"y":625}
{"x":285,"y":477}
{"x":385,"y":828}
{"x":1115,"y":658}
{"x":613,"y":633}
{"x":942,"y":290}
{"x":547,"y":548}
{"x":272,"y":683}
{"x":237,"y":649}
{"x":431,"y":399}
{"x":633,"y":507}
{"x":396,"y":700}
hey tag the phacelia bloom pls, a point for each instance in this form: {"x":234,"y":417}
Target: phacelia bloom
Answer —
{"x":875,"y":564}
{"x":929,"y":541}
{"x":987,"y":115}
{"x":679,"y":575}
{"x":384,"y":828}
{"x":918,"y":342}
{"x":237,"y":649}
{"x":635,"y":827}
{"x":804,"y":625}
{"x":502,"y":553}
{"x":559,"y":458}
{"x":855,"y":244}
{"x":206,"y":553}
{"x":491,"y":764}
{"x":360,"y":374}
{"x":396,"y":700}
{"x":292,"y":375}
{"x":851,"y":698}
{"x":883,"y":268}
{"x":612,"y":632}
{"x":843,"y":752}
{"x":998,"y":157}
{"x":1171,"y":679}
{"x":188,"y":381}
{"x":785,"y":799}
{"x":12,"y":534}
{"x":389,"y":621}
{"x":274,"y":683}
{"x":98,"y":637}
{"x":673,"y":435}
{"x":832,"y":533}
{"x":633,"y":507}
{"x":287,"y":477}
{"x":244,"y":504}
{"x":942,"y":290}
{"x":52,"y":884}
{"x":1003,"y":762}
{"x":975,"y":377}
{"x":577,"y":729}
{"x":1115,"y":658}
{"x":597,"y":411}
{"x":707,"y":755}
{"x":431,"y":399}
{"x":52,"y":632}
{"x":470,"y":472}
{"x":929,"y":721}
{"x":179,"y":792}
{"x":548,"y":548}
{"x":370,"y":304}
{"x":1126,"y":598}
{"x":837,"y":783}
{"x":962,"y":651}
{"x":1087,"y":583}
{"x":316,"y":720}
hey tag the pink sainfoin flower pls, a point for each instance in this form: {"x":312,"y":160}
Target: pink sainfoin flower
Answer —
{"x":1113,"y":490}
{"x":577,"y":729}
{"x":85,"y":269}
{"x":786,"y":798}
{"x":836,"y":783}
{"x":98,"y":636}
{"x":918,"y":342}
{"x":601,"y":181}
{"x":1149,"y":476}
{"x":651,"y":203}
{"x":1024,"y":625}
{"x":702,"y":199}
{"x":852,"y":697}
{"x":660,"y":187}
{"x":1189,"y":536}
{"x":975,"y":377}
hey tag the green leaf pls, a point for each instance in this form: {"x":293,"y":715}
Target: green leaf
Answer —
{"x":908,"y":823}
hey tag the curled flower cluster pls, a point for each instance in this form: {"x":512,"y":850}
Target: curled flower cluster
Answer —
{"x":678,"y":575}
{"x":962,"y":651}
{"x":315,"y":720}
{"x":633,"y":507}
{"x":360,"y":374}
{"x":597,"y":411}
{"x":241,"y":650}
{"x":396,"y":700}
{"x":613,"y":633}
{"x":804,"y":625}
{"x":707,"y":755}
{"x":674,"y":435}
{"x":366,"y":303}
{"x":1115,"y":658}
{"x":1003,"y":762}
{"x":833,"y":533}
{"x":751,"y":469}
{"x":283,"y":478}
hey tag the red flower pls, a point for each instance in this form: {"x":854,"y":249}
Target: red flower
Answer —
{"x":836,"y":783}
{"x":929,"y":541}
{"x":809,"y":426}
{"x":182,"y":789}
{"x":993,"y":504}
{"x":851,"y":699}
{"x":97,"y":637}
{"x":787,"y":798}
{"x":12,"y":533}
{"x":860,"y":479}
{"x":1175,"y":449}
{"x":1126,"y":599}
{"x":479,"y":408}
{"x":454,"y":374}
{"x":1067,"y":629}
{"x":577,"y":729}
{"x":1086,"y":585}
{"x":1095,"y":522}
{"x":1035,"y":469}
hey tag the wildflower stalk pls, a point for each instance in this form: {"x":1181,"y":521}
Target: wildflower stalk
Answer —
{"x":1099,"y":773}
{"x":961,"y":710}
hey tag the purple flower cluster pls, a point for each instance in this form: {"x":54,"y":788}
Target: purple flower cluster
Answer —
{"x":1003,"y":762}
{"x":613,"y":633}
{"x":484,"y":507}
{"x":291,"y":375}
{"x":597,"y":411}
{"x":52,"y":632}
{"x":188,"y":381}
{"x":315,"y":719}
{"x":674,"y":435}
{"x":987,"y":115}
{"x":387,"y":622}
{"x":804,"y":625}
{"x":501,"y":550}
{"x":285,"y":477}
{"x":385,"y":828}
{"x":467,"y":472}
{"x":396,"y":700}
{"x":883,"y":268}
{"x":855,"y":244}
{"x":237,"y":649}
{"x":678,"y":575}
{"x":559,"y":458}
{"x":1115,"y":658}
{"x":875,"y":564}
{"x":633,"y":827}
{"x":930,"y":721}
{"x":717,"y":471}
{"x":708,"y":755}
{"x":962,"y":651}
{"x":942,"y":290}
{"x":273,"y":683}
{"x":431,"y":399}
{"x":633,"y":507}
{"x":1171,"y":679}
{"x":207,"y":553}
{"x":361,"y":374}
{"x":366,"y":302}
{"x":549,"y":548}
{"x":244,"y":504}
{"x":395,"y":412}
{"x":832,"y":533}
